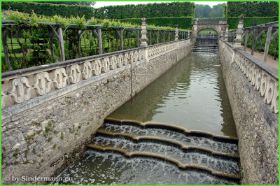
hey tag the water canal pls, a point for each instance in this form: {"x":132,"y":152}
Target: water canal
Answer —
{"x":190,"y":96}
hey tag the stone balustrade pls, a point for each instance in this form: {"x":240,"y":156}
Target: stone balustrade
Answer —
{"x":22,"y":85}
{"x":259,"y":74}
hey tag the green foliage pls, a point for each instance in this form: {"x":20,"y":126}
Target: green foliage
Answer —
{"x":249,"y":21}
{"x":148,"y":10}
{"x":31,"y":41}
{"x":181,"y":22}
{"x":33,"y":19}
{"x":260,"y":44}
{"x":205,"y":11}
{"x":252,"y":9}
{"x":50,"y":9}
{"x":88,"y":3}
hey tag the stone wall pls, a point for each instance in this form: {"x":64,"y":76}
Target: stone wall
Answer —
{"x":50,"y":112}
{"x":252,"y":87}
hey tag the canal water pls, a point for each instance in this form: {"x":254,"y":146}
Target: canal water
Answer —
{"x":191,"y":95}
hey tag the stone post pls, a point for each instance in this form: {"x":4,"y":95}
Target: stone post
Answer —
{"x":194,"y":29}
{"x":143,"y":33}
{"x":239,"y":32}
{"x":176,"y":34}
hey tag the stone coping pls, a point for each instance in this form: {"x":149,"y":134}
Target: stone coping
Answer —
{"x":271,"y":71}
{"x":52,"y":66}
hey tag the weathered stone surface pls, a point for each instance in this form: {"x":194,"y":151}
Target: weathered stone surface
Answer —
{"x":256,"y":123}
{"x":42,"y":134}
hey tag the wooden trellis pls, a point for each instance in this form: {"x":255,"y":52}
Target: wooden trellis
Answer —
{"x":271,"y":30}
{"x":71,"y":41}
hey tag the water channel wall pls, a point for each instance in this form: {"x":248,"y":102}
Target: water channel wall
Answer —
{"x":51,"y":111}
{"x":252,"y":87}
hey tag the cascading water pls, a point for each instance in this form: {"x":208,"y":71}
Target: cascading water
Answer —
{"x":177,"y":130}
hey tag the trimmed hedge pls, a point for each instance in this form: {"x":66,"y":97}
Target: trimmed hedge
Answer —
{"x":249,"y":21}
{"x":182,"y":22}
{"x":252,"y":9}
{"x":146,"y":10}
{"x":33,"y":19}
{"x":49,"y":9}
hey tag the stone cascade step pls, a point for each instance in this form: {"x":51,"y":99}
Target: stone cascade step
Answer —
{"x":215,"y":156}
{"x":139,"y":170}
{"x":205,"y":47}
{"x":165,"y":132}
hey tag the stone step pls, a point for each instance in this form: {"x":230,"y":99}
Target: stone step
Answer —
{"x":172,"y":142}
{"x":216,"y":165}
{"x":142,"y":170}
{"x":167,"y":133}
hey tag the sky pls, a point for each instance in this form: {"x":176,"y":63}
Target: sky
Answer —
{"x":101,"y":4}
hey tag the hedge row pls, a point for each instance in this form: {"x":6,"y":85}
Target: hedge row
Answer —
{"x":249,"y":21}
{"x":181,"y":22}
{"x":49,"y":9}
{"x":34,"y":19}
{"x":252,"y":9}
{"x":147,"y":10}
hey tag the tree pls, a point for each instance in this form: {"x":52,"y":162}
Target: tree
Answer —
{"x":205,"y":11}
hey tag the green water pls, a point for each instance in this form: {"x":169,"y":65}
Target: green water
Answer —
{"x":192,"y":95}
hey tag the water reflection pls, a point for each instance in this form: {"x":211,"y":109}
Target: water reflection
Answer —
{"x":192,"y":94}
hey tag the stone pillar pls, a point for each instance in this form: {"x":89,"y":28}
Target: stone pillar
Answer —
{"x":176,"y":34}
{"x":143,"y":33}
{"x":239,"y":32}
{"x":194,"y":29}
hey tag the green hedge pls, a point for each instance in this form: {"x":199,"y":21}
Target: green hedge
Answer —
{"x":249,"y":21}
{"x":182,"y":22}
{"x":252,"y":9}
{"x":147,"y":10}
{"x":49,"y":9}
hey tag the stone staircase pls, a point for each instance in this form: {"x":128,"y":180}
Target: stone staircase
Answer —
{"x":201,"y":157}
{"x":203,"y":45}
{"x":205,"y":48}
